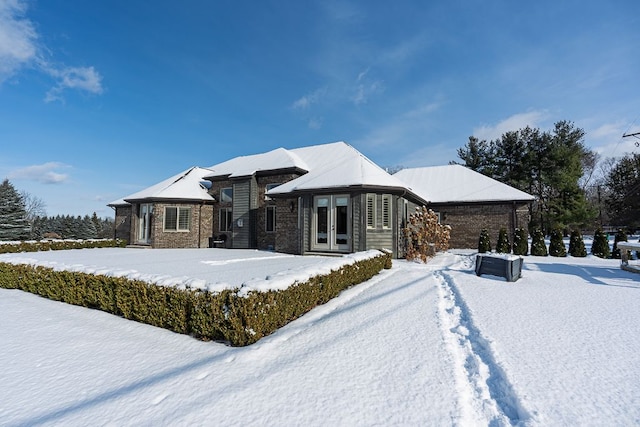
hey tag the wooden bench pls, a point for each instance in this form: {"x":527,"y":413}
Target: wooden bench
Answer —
{"x":625,"y":256}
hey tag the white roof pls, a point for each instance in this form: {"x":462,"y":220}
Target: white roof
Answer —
{"x":457,"y":183}
{"x":337,"y":165}
{"x":279,"y":158}
{"x":187,"y":185}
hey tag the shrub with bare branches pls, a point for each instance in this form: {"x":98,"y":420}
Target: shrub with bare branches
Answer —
{"x":424,"y":235}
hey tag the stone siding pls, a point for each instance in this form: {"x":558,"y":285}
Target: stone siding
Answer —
{"x":287,"y":239}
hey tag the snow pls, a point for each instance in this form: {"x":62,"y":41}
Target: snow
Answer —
{"x":279,"y":158}
{"x":420,"y":344}
{"x":186,"y":185}
{"x":457,"y":183}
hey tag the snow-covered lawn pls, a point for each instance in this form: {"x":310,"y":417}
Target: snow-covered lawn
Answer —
{"x":416,"y":345}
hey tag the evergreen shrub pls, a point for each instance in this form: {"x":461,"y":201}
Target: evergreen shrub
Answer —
{"x":55,"y":245}
{"x":503,"y":246}
{"x":556,"y":245}
{"x":538,"y":246}
{"x":484,"y":244}
{"x":600,"y":246}
{"x":520,"y":242}
{"x":620,"y":236}
{"x":227,"y":316}
{"x":576,"y":245}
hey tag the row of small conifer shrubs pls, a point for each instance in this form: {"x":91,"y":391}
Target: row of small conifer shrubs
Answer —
{"x":55,"y":245}
{"x":557,"y":247}
{"x":221,"y":316}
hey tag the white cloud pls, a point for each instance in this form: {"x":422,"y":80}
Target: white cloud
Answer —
{"x":47,"y":173}
{"x":315,"y":123}
{"x":512,"y":123}
{"x":83,"y":78}
{"x":19,"y":48}
{"x":306,"y":101}
{"x":18,"y":38}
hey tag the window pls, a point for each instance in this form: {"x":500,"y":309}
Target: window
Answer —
{"x":226,"y":194}
{"x":226,"y":219}
{"x":371,"y":211}
{"x":386,"y":211}
{"x":270,"y":219}
{"x":177,"y":219}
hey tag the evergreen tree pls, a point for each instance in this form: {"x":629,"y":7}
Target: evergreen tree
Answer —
{"x":520,"y":242}
{"x":576,"y":245}
{"x":13,"y":216}
{"x":620,"y":236}
{"x":623,"y":191}
{"x":538,"y":246}
{"x":484,"y":244}
{"x":600,"y":245}
{"x":503,"y":246}
{"x":556,"y":245}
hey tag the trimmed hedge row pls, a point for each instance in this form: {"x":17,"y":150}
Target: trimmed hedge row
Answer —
{"x":56,"y":245}
{"x":223,"y":316}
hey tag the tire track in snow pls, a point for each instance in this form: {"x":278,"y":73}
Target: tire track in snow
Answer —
{"x":485,"y":394}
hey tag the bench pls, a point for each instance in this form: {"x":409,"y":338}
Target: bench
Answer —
{"x":625,"y":256}
{"x":503,"y":265}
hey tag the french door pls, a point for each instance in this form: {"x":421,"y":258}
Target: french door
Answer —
{"x":144,"y":223}
{"x":331,"y":225}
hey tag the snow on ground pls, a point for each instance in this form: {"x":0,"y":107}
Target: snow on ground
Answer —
{"x":416,"y":345}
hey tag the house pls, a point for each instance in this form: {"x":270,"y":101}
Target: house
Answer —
{"x":326,"y":198}
{"x":469,"y":201}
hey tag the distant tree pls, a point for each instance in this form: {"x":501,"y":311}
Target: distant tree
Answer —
{"x":13,"y":216}
{"x":623,"y":191}
{"x":503,"y":246}
{"x":576,"y":245}
{"x":538,"y":246}
{"x":556,"y":244}
{"x":484,"y":244}
{"x":520,"y":242}
{"x":620,"y":236}
{"x":600,"y":245}
{"x":479,"y":156}
{"x":33,"y":206}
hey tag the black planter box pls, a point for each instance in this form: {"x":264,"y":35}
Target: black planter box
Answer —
{"x":507,"y":266}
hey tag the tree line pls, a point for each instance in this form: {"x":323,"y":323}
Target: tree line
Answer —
{"x":22,"y":217}
{"x":573,"y":186}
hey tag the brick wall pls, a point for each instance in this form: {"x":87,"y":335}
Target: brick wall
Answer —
{"x":287,"y":239}
{"x":467,"y":221}
{"x":198,"y":234}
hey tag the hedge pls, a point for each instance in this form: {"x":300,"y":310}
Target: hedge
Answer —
{"x":221,"y":316}
{"x":55,"y":245}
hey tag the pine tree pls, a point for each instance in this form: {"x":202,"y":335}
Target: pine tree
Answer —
{"x":576,"y":245}
{"x":538,"y":246}
{"x":520,"y":242}
{"x":503,"y":246}
{"x":600,"y":246}
{"x":484,"y":244}
{"x":556,"y":245}
{"x":620,"y":236}
{"x":13,"y":216}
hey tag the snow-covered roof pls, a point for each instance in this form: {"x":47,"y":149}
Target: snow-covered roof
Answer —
{"x":277,"y":159}
{"x":337,"y":165}
{"x":187,"y":185}
{"x":457,"y":183}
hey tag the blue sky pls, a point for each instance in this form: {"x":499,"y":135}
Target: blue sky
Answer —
{"x":101,"y":99}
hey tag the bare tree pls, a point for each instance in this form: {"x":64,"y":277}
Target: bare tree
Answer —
{"x":33,"y":205}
